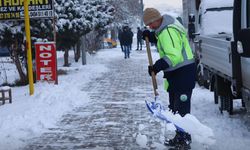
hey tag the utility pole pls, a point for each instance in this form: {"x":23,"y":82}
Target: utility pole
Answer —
{"x":142,"y":7}
{"x":28,"y":45}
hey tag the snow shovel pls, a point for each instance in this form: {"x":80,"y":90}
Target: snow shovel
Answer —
{"x":155,"y":107}
{"x":153,"y":104}
{"x":150,"y":60}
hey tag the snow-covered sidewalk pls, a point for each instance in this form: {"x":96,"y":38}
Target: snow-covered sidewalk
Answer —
{"x":101,"y":106}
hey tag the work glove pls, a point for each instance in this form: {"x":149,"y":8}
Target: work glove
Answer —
{"x":151,"y":36}
{"x":145,"y":33}
{"x":159,"y":65}
{"x":150,"y":70}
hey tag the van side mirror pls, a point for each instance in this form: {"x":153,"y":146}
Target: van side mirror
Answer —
{"x":243,"y":44}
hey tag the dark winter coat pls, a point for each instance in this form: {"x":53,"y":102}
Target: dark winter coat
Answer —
{"x":125,"y":37}
{"x":139,"y":34}
{"x":131,"y":34}
{"x":120,"y":36}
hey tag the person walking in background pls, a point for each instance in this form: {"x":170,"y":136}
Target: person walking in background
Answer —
{"x":131,"y":34}
{"x":120,"y":39}
{"x":139,"y":38}
{"x":125,"y":38}
{"x":177,"y":63}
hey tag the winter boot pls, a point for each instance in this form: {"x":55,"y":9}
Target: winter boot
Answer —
{"x":181,"y":140}
{"x":187,"y":138}
{"x":174,"y":141}
{"x":184,"y":141}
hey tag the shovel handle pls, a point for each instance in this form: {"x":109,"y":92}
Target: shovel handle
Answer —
{"x":150,"y":60}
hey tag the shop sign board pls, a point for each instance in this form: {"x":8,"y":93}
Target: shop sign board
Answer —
{"x":46,"y":69}
{"x":14,"y":9}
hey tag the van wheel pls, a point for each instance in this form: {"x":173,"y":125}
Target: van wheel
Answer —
{"x":226,"y":103}
{"x":230,"y":105}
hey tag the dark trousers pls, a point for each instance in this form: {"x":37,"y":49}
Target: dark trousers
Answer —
{"x":179,"y":102}
{"x":139,"y":44}
{"x":126,"y":51}
{"x":122,"y":47}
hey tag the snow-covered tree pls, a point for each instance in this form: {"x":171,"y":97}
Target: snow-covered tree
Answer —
{"x":11,"y":36}
{"x":77,"y":18}
{"x":127,"y":11}
{"x":74,"y":18}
